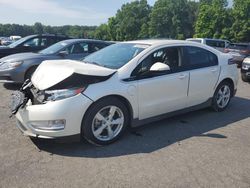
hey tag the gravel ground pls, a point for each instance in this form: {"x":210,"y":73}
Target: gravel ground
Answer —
{"x":198,"y":149}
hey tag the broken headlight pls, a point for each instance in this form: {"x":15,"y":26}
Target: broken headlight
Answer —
{"x":54,"y":95}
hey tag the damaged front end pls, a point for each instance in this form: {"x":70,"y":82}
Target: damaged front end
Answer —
{"x":20,"y":97}
{"x":57,"y":80}
{"x":69,"y":87}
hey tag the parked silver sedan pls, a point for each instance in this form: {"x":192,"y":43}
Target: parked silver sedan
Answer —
{"x":19,"y":67}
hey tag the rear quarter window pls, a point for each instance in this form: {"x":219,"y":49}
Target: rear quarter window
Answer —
{"x":199,"y":57}
{"x":215,"y":43}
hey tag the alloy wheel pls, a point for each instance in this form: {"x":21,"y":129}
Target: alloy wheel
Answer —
{"x":223,"y":96}
{"x":107,"y":123}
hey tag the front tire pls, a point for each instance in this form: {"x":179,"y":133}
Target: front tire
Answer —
{"x":105,"y":121}
{"x":222,"y":96}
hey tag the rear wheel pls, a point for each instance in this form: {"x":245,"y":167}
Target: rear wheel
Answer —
{"x":105,"y":121}
{"x":222,"y":96}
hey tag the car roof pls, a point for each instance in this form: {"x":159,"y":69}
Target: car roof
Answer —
{"x":160,"y":42}
{"x":85,"y":40}
{"x":206,"y":39}
{"x":47,"y":35}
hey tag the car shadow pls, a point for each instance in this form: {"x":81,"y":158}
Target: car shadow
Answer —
{"x":157,"y":135}
{"x":12,"y":86}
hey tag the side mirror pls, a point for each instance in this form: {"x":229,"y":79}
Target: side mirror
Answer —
{"x":159,"y":67}
{"x":63,"y":53}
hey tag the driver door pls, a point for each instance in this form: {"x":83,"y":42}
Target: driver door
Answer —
{"x":162,"y":91}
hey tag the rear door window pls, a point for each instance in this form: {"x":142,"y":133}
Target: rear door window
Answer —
{"x":34,"y":42}
{"x":78,"y":48}
{"x":97,"y":46}
{"x":199,"y":57}
{"x":215,"y":43}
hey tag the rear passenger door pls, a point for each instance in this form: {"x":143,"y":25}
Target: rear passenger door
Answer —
{"x":204,"y":74}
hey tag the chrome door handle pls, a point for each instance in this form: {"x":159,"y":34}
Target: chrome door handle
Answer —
{"x":182,"y":76}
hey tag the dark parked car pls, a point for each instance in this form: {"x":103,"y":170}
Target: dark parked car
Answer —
{"x":239,"y":51}
{"x":245,"y":70}
{"x":32,"y":43}
{"x":19,"y":67}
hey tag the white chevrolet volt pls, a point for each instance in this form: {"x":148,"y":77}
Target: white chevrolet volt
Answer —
{"x":126,"y":84}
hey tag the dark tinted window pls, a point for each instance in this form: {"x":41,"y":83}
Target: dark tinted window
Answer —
{"x":170,"y":56}
{"x":77,"y":48}
{"x":44,"y":41}
{"x":34,"y":42}
{"x":215,"y":43}
{"x":97,"y":46}
{"x":199,"y":57}
{"x":51,"y":40}
{"x":195,"y":40}
{"x":239,"y":46}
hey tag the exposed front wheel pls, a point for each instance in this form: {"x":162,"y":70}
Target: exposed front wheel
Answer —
{"x":222,"y":96}
{"x":105,"y":121}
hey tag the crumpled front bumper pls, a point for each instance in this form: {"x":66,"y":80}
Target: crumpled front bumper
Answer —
{"x":71,"y":110}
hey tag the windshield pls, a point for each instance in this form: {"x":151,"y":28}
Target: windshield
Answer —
{"x":116,"y":55}
{"x":16,"y":43}
{"x":54,"y":48}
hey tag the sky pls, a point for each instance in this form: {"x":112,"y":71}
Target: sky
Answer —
{"x":60,"y":12}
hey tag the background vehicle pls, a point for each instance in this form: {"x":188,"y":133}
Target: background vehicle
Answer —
{"x":15,"y":37}
{"x":5,"y":41}
{"x":125,"y":84}
{"x":32,"y":43}
{"x":239,"y":51}
{"x":218,"y":44}
{"x":245,"y":70}
{"x":19,"y":67}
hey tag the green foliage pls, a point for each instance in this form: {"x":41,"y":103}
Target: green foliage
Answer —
{"x":240,"y":30}
{"x":129,"y":21}
{"x":172,"y":19}
{"x":38,"y":28}
{"x":213,"y":20}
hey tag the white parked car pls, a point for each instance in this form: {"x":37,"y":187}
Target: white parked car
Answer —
{"x":125,"y":84}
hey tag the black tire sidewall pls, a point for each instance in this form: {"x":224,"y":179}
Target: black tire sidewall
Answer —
{"x":86,"y":127}
{"x":214,"y":101}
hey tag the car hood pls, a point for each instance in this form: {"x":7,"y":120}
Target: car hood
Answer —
{"x":51,"y":72}
{"x":21,"y":57}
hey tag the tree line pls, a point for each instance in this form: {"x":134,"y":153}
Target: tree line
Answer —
{"x":38,"y":28}
{"x":175,"y":19}
{"x":179,"y":19}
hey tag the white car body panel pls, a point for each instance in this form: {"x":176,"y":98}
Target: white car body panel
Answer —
{"x":198,"y":91}
{"x":71,"y":109}
{"x":147,"y":97}
{"x":172,"y":96}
